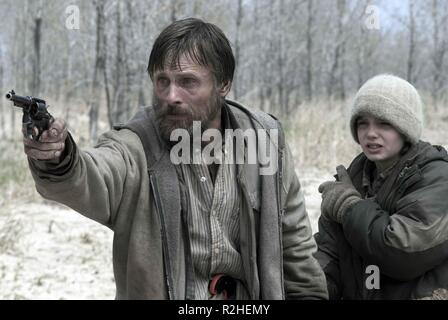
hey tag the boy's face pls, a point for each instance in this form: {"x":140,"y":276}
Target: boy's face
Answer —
{"x":379,"y":140}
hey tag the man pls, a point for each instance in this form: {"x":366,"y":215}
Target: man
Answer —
{"x":187,"y":230}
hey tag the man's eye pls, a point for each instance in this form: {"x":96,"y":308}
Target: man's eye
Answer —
{"x":163,"y":82}
{"x":187,"y":82}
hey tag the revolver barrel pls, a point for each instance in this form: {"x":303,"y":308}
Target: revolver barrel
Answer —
{"x":19,"y":101}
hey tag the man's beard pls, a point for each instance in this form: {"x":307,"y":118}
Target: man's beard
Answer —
{"x":204,"y":114}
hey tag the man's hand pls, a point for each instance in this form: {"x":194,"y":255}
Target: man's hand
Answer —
{"x":50,"y":145}
{"x":338,"y":196}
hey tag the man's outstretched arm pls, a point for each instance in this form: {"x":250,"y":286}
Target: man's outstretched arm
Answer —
{"x":93,"y":181}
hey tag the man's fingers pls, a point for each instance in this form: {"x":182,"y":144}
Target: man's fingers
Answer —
{"x":57,"y":127}
{"x":41,"y":155}
{"x":51,"y":143}
{"x":46,"y":137}
{"x":56,"y":146}
{"x":56,"y":132}
{"x":343,"y":174}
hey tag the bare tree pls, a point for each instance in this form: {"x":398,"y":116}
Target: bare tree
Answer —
{"x":239,"y":18}
{"x":36,"y":59}
{"x":174,"y":4}
{"x":336,"y":74}
{"x":287,"y":51}
{"x":440,"y":46}
{"x":20,"y":57}
{"x":411,"y":52}
{"x":280,"y":57}
{"x":142,"y":100}
{"x":100,"y":65}
{"x":309,"y":51}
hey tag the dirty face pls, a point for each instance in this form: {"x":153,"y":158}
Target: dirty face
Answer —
{"x":379,"y":140}
{"x":186,"y":92}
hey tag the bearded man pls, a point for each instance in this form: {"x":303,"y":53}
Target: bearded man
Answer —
{"x":198,"y":230}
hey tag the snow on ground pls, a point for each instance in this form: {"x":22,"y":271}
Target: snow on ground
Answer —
{"x":56,"y":254}
{"x":310,"y":180}
{"x":52,"y":252}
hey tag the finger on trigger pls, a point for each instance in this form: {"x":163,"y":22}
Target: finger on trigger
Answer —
{"x":44,"y":136}
{"x":36,"y":131}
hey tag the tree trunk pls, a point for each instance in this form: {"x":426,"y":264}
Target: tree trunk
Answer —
{"x":360,"y":58}
{"x":239,"y":17}
{"x":173,"y":10}
{"x":123,"y":76}
{"x":342,"y":73}
{"x":309,"y":53}
{"x":336,"y":73}
{"x":410,"y":63}
{"x":439,"y":51}
{"x":130,"y":84}
{"x":20,"y":60}
{"x":99,"y":70}
{"x":280,"y":61}
{"x":37,"y":38}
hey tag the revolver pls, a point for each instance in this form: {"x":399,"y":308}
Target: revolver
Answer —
{"x":35,"y":114}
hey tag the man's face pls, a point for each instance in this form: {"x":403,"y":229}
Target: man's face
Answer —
{"x":185,"y":93}
{"x":379,"y":140}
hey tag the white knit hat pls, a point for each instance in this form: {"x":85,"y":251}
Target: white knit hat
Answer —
{"x":392,"y":99}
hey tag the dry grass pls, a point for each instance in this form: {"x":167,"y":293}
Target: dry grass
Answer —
{"x":319,"y":135}
{"x":11,"y":230}
{"x":15,"y":179}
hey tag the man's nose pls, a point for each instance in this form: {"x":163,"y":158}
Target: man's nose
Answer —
{"x":174,"y":95}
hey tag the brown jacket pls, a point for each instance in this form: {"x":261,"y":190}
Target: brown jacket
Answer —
{"x":138,"y":197}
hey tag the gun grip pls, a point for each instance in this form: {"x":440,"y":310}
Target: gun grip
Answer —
{"x":34,"y":129}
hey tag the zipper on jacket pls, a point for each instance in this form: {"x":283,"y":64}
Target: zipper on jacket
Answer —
{"x":164,"y":239}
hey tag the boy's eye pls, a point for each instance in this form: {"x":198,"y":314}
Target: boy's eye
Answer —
{"x":385,"y":124}
{"x":362,"y":123}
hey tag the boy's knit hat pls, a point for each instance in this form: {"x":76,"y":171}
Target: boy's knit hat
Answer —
{"x":392,"y":99}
